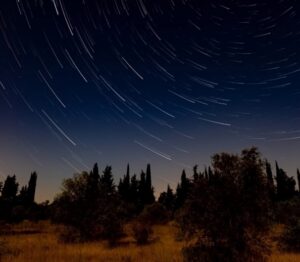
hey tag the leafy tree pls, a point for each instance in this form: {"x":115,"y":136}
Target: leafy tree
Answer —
{"x":10,"y":188}
{"x":93,"y":214}
{"x":228,"y":215}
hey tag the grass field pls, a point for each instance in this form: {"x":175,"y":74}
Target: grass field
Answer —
{"x":38,"y":242}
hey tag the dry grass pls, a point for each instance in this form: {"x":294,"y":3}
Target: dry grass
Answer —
{"x":45,"y":247}
{"x":38,"y":242}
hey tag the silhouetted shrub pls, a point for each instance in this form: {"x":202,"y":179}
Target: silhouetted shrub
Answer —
{"x":290,"y":239}
{"x":287,"y":211}
{"x":90,"y":204}
{"x":155,"y":214}
{"x":141,"y":232}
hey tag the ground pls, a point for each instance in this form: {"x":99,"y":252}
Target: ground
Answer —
{"x":39,"y":242}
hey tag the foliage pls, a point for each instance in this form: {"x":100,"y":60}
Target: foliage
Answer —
{"x":228,"y":213}
{"x":141,"y":232}
{"x":89,"y":203}
{"x":155,"y":214}
{"x":290,"y":239}
{"x":285,"y":185}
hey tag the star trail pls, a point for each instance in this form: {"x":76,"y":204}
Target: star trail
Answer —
{"x":167,"y":82}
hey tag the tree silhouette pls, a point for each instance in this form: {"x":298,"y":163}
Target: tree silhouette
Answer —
{"x":107,"y":181}
{"x":149,"y":191}
{"x":182,"y":190}
{"x":167,"y":199}
{"x":285,"y":185}
{"x":124,"y":186}
{"x":10,"y":188}
{"x":93,"y":214}
{"x":298,"y":177}
{"x":270,"y":179}
{"x":227,"y":215}
{"x":32,"y":187}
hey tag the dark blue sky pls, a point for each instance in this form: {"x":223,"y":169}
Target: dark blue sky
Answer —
{"x":167,"y":82}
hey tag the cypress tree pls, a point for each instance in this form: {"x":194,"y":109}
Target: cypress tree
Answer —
{"x":124,"y":186}
{"x":134,"y":190}
{"x":270,"y":179}
{"x":195,"y":171}
{"x":107,"y":181}
{"x":298,"y":177}
{"x":93,"y":185}
{"x":149,"y":191}
{"x":32,"y":187}
{"x":285,"y":185}
{"x":142,"y":189}
{"x":182,"y":190}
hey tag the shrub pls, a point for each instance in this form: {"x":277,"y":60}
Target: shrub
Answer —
{"x":290,"y":239}
{"x":155,"y":214}
{"x":141,"y":232}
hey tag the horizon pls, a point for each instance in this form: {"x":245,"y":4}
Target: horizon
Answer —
{"x":159,"y":182}
{"x":167,"y":83}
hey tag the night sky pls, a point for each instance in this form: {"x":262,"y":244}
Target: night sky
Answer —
{"x":169,"y":82}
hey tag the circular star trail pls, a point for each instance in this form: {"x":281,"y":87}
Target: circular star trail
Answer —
{"x":167,"y":82}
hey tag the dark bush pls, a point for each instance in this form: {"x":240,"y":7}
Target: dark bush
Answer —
{"x":141,"y":232}
{"x":290,"y":239}
{"x":155,"y":214}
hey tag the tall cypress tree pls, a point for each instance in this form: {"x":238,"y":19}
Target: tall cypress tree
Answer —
{"x":149,"y":191}
{"x":124,"y":186}
{"x":107,"y":181}
{"x":285,"y":185}
{"x":182,"y":190}
{"x":32,"y":187}
{"x":93,"y":185}
{"x":298,"y":177}
{"x":134,"y":190}
{"x":195,"y":171}
{"x":270,"y":179}
{"x":142,"y":189}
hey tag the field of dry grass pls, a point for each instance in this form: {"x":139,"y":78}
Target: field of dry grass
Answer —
{"x":43,"y":245}
{"x":38,"y":242}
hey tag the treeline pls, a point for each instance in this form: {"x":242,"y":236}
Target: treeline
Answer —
{"x":227,"y":209}
{"x":17,"y":204}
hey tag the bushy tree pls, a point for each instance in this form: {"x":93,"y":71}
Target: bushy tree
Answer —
{"x":10,"y":188}
{"x":228,"y":214}
{"x":89,"y":204}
